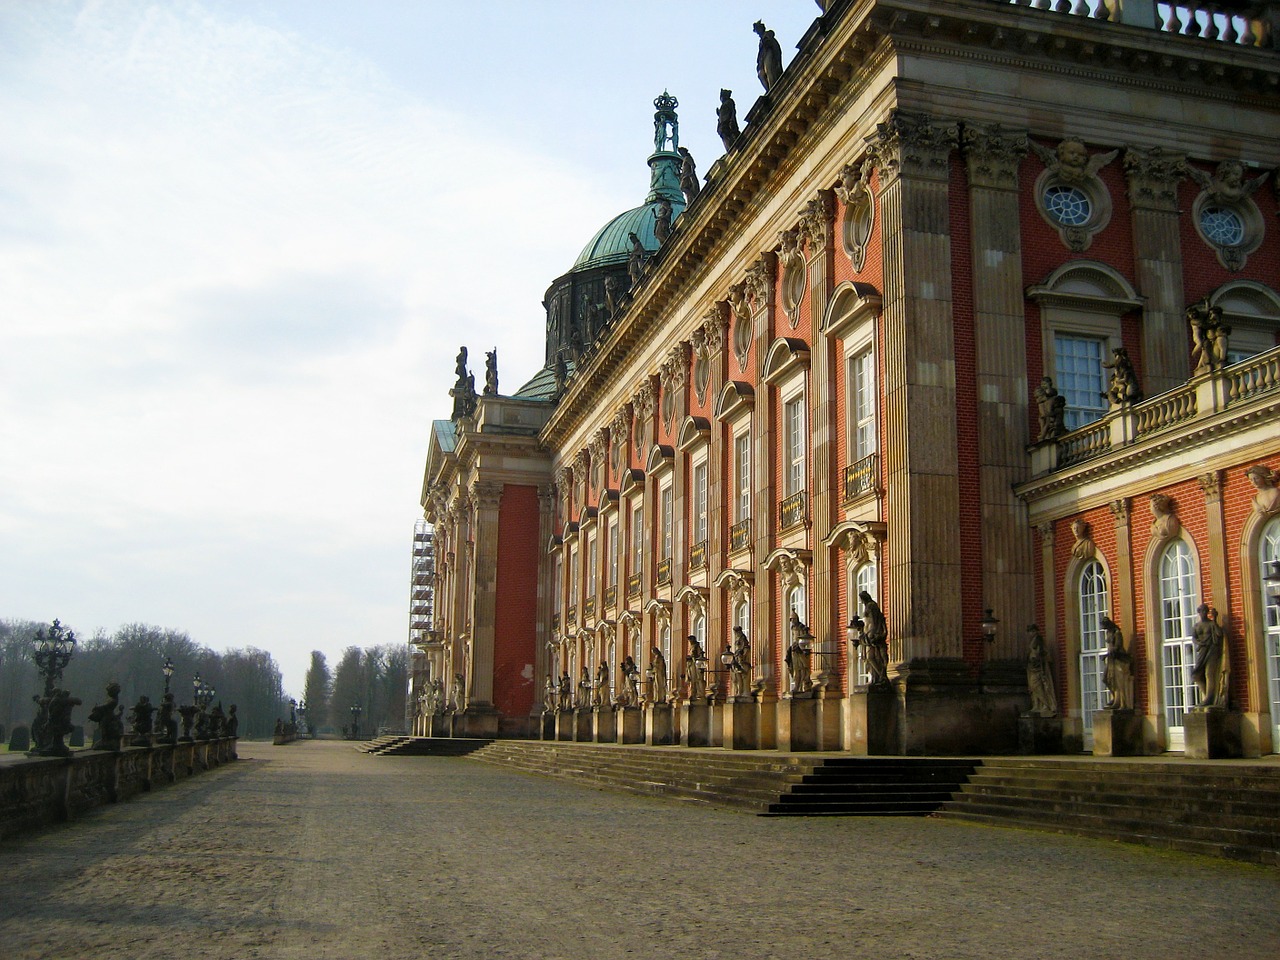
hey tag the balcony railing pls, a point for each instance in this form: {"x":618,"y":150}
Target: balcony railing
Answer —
{"x":740,"y":535}
{"x":589,"y":608}
{"x":1204,"y":20}
{"x":862,"y":477}
{"x":698,"y":555}
{"x":572,"y":614}
{"x":633,"y":586}
{"x":611,"y":596}
{"x":792,"y":511}
{"x":664,"y":570}
{"x":1201,"y":397}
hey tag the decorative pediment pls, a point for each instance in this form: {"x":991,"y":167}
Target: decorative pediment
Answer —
{"x":695,"y":598}
{"x":693,"y":431}
{"x":852,"y":305}
{"x":554,"y":543}
{"x":787,"y":356}
{"x":859,"y":540}
{"x":661,"y":457}
{"x":792,"y":566}
{"x":632,"y":480}
{"x":661,"y":610}
{"x":1087,"y":285}
{"x":736,"y":398}
{"x":737,"y":583}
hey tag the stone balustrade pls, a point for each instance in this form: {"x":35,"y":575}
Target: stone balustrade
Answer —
{"x":1243,"y":23}
{"x":43,"y":790}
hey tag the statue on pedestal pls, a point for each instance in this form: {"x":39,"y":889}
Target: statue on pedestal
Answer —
{"x":233,"y":722}
{"x":1212,"y":670}
{"x":769,"y":56}
{"x":1052,"y":408}
{"x":566,"y":691}
{"x":1123,"y":386}
{"x":727,"y":120}
{"x":689,"y":185}
{"x":108,"y":717}
{"x":459,"y":692}
{"x":188,"y":714}
{"x":695,"y":670}
{"x":166,"y":726}
{"x":798,"y":653}
{"x":629,"y":694}
{"x":740,"y":668}
{"x":217,"y":720}
{"x":1044,"y":699}
{"x":873,"y":639}
{"x":601,"y":697}
{"x":140,"y":716}
{"x":491,"y":372}
{"x":549,"y":695}
{"x":662,"y":220}
{"x":54,"y":723}
{"x":635,"y":259}
{"x":658,"y":666}
{"x":1117,"y":674}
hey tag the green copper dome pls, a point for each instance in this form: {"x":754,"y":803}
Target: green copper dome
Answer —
{"x":612,"y":242}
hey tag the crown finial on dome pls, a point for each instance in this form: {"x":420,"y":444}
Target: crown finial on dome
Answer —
{"x":666,"y":126}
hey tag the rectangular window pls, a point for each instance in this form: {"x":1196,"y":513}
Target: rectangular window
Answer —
{"x":1081,"y":380}
{"x":862,"y":405}
{"x":637,"y":539}
{"x":574,"y":577}
{"x":742,"y":475}
{"x":794,"y":447}
{"x":700,"y":501}
{"x":667,"y":501}
{"x":593,"y":558}
{"x":613,"y":552}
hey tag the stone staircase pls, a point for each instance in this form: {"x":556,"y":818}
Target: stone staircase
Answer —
{"x":403,"y":746}
{"x":1223,"y":809}
{"x":764,"y":783}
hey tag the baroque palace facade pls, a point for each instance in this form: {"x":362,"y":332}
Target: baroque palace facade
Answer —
{"x":977,"y":315}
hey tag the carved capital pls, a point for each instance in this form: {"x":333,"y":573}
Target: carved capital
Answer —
{"x":485,"y":495}
{"x":1045,"y":532}
{"x":815,"y":222}
{"x":715,"y":328}
{"x":759,"y":280}
{"x":1120,"y":510}
{"x":912,"y":145}
{"x":1153,"y":178}
{"x":1211,"y":485}
{"x":992,"y":155}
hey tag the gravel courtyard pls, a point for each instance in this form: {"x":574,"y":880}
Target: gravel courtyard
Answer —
{"x":315,"y":850}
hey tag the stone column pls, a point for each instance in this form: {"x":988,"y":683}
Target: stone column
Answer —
{"x":919,"y":442}
{"x":992,"y":156}
{"x":815,"y":228}
{"x":715,"y":332}
{"x":546,"y":591}
{"x":1216,"y":522}
{"x":1153,"y":196}
{"x":675,"y":378}
{"x":1123,"y":611}
{"x":764,"y":498}
{"x":486,"y":497}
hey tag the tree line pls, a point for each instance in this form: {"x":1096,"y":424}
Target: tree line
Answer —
{"x":373,"y":678}
{"x":134,"y":655}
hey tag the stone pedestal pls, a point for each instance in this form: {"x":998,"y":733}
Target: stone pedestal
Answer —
{"x":830,"y":719}
{"x":1211,"y":733}
{"x":582,"y":724}
{"x":1117,"y":733}
{"x":564,"y":725}
{"x":602,"y":725}
{"x":944,"y":712}
{"x":741,"y":724}
{"x":1039,"y":734}
{"x":717,"y":724}
{"x":478,"y":724}
{"x":629,"y":725}
{"x":547,"y":726}
{"x":659,"y":727}
{"x":872,"y":721}
{"x":797,"y":724}
{"x":695,"y":724}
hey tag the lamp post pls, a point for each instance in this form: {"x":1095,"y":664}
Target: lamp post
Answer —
{"x":167,"y":670}
{"x":52,"y":653}
{"x":989,"y":624}
{"x":302,"y":716}
{"x":355,"y":721}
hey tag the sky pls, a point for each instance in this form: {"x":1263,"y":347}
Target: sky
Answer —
{"x":240,"y":244}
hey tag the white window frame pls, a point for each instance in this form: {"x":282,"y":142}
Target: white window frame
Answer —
{"x":795,"y":441}
{"x":1268,"y":552}
{"x":865,"y":577}
{"x":862,"y":429}
{"x":742,"y":454}
{"x":666,"y":519}
{"x":637,"y":538}
{"x":1177,"y":586}
{"x":593,"y":563}
{"x":611,"y":531}
{"x":1093,"y":600}
{"x":700,"y":479}
{"x":575,"y":577}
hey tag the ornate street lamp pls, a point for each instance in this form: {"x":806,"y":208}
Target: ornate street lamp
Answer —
{"x":355,"y":721}
{"x":167,"y":670}
{"x":989,"y":624}
{"x":52,"y":653}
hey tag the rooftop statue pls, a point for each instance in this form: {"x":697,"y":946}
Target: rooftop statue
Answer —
{"x":727,"y":120}
{"x":1052,"y":407}
{"x":1123,"y":386}
{"x":666,"y":128}
{"x":491,"y":372}
{"x":635,"y":262}
{"x":1209,"y":337}
{"x":661,"y":224}
{"x":769,"y":57}
{"x":689,"y":185}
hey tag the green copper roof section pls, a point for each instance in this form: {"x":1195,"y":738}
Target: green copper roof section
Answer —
{"x":612,"y":243}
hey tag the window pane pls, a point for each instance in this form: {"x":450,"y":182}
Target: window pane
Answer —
{"x":1080,"y":377}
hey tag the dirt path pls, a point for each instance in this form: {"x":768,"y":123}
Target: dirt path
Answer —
{"x":314,"y":850}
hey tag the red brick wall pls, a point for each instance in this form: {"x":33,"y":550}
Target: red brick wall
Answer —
{"x":517,"y":600}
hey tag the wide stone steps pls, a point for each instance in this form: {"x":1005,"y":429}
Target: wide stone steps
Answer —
{"x":768,"y":784}
{"x":1217,"y":809}
{"x":402,"y":746}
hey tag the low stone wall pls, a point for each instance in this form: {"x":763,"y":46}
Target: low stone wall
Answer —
{"x":44,"y":790}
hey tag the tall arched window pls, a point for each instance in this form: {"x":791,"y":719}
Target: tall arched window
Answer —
{"x":1094,"y":605}
{"x":1268,"y":554}
{"x":794,"y":602}
{"x":1177,"y":620}
{"x":867,"y":578}
{"x":613,"y":668}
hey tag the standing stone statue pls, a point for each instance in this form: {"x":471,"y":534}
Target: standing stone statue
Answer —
{"x":1212,"y":668}
{"x":695,"y":673}
{"x":463,"y":391}
{"x":727,"y":120}
{"x":566,"y":691}
{"x":1052,"y":407}
{"x":107,"y":716}
{"x":218,"y":720}
{"x":629,"y":695}
{"x":459,"y":692}
{"x":491,"y":372}
{"x":549,"y":695}
{"x":614,"y":288}
{"x":584,"y":688}
{"x":1044,"y":700}
{"x":873,"y":638}
{"x":661,"y":221}
{"x":658,"y":666}
{"x":740,"y":668}
{"x":140,"y":716}
{"x":689,"y":185}
{"x":57,"y":724}
{"x":798,"y":652}
{"x":769,"y":57}
{"x":188,"y":714}
{"x":635,"y":260}
{"x":1117,"y":674}
{"x":233,"y":722}
{"x":601,"y":698}
{"x":166,"y":726}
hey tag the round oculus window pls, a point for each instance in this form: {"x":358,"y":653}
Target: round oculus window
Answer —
{"x":1069,"y":206}
{"x":1222,"y":226}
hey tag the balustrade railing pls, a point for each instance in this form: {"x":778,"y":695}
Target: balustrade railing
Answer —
{"x":740,"y":534}
{"x":633,"y":585}
{"x":791,"y":511}
{"x":861,"y":477}
{"x":611,"y":595}
{"x":698,"y":555}
{"x":1164,"y":411}
{"x":664,"y":570}
{"x":1245,"y":24}
{"x":589,"y":608}
{"x":1260,"y":374}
